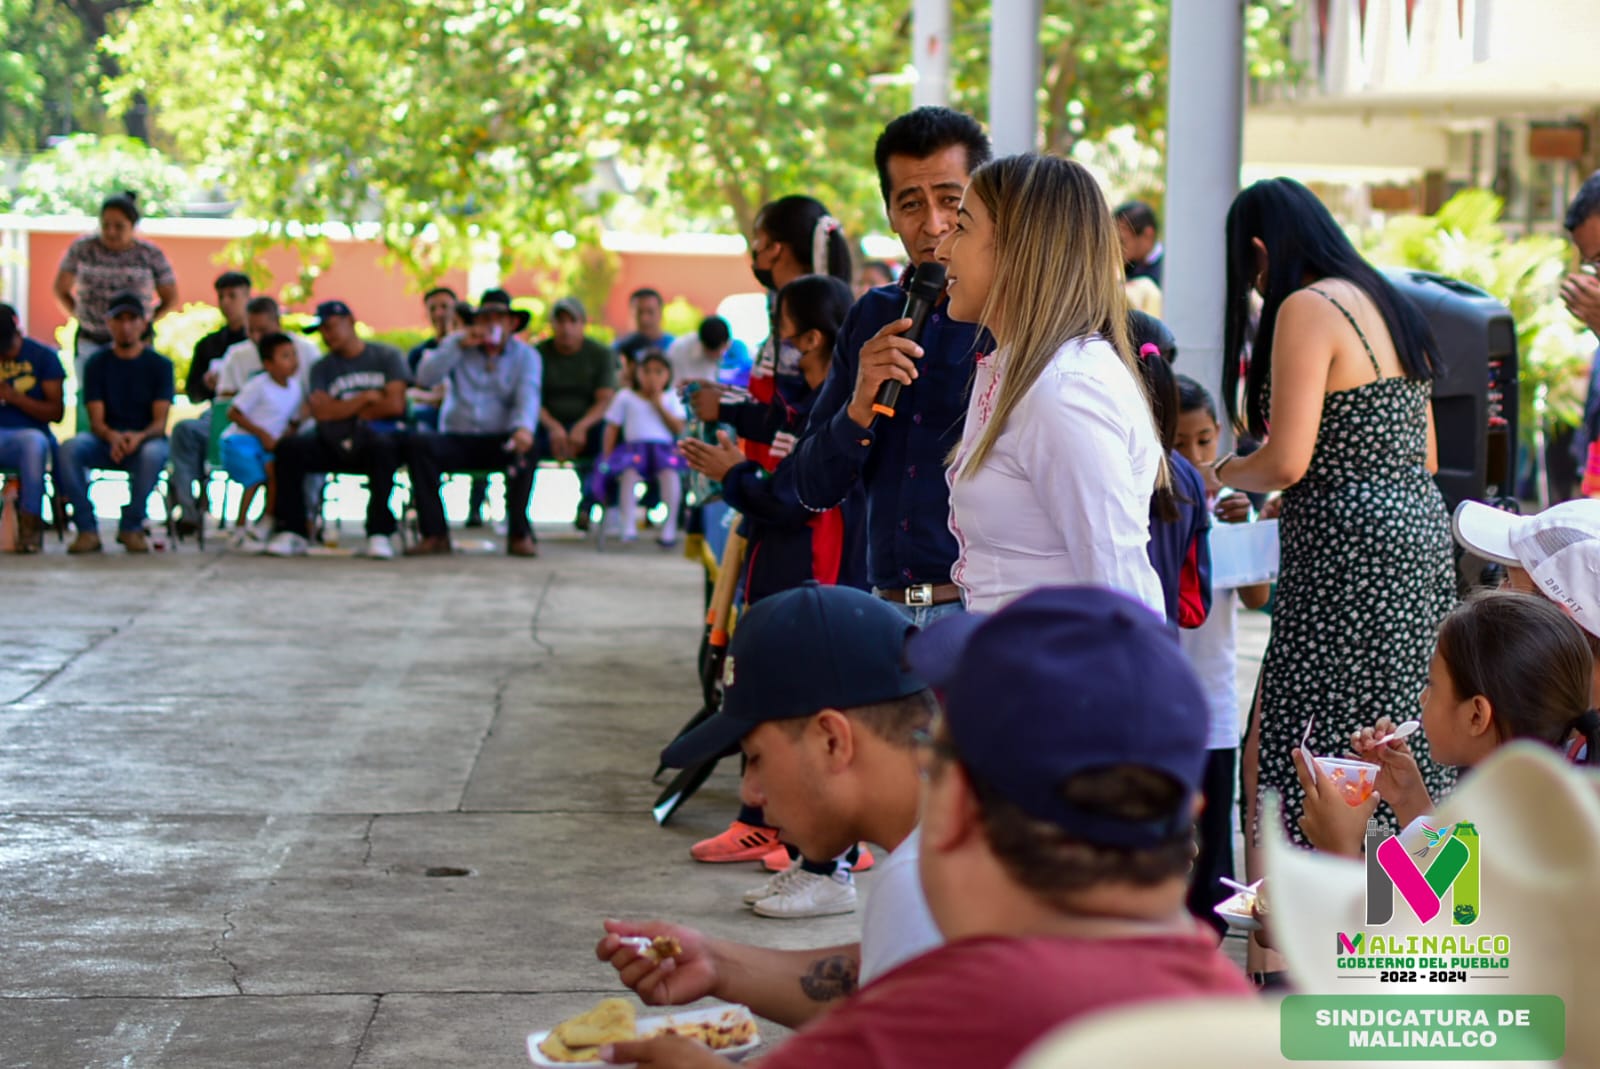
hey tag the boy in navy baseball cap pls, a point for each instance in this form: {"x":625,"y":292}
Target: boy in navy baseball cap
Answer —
{"x":830,"y":719}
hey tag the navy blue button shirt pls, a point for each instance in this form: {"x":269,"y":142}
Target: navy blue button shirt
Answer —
{"x":900,"y":461}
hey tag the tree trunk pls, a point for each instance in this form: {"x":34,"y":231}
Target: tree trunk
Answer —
{"x":95,"y":15}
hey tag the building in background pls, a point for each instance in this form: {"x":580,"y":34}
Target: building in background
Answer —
{"x":1401,"y":103}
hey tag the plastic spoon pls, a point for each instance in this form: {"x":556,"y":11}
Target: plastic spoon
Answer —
{"x":1235,"y":885}
{"x":1311,"y":766}
{"x":1404,"y":731}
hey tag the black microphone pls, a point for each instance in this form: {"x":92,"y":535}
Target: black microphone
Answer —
{"x":926,"y":287}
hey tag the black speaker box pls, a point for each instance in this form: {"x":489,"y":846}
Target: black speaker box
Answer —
{"x":1475,"y":393}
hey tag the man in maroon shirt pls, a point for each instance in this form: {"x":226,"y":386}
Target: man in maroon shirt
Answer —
{"x":1057,"y":834}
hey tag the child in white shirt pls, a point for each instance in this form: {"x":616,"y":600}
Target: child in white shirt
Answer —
{"x":1212,"y":651}
{"x":642,"y":428}
{"x":269,"y":406}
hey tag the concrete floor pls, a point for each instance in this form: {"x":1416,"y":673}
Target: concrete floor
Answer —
{"x":225,"y":781}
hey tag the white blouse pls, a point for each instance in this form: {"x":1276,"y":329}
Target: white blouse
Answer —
{"x":1063,"y":497}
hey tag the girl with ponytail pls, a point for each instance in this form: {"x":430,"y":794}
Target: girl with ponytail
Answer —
{"x":794,"y":236}
{"x":1507,"y":666}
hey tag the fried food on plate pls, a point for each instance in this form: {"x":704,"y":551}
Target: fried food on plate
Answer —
{"x":580,"y":1038}
{"x":735,"y":1028}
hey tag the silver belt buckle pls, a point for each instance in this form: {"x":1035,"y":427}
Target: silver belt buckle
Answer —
{"x":920,"y":595}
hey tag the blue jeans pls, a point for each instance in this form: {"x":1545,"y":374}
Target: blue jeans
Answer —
{"x":191,"y":440}
{"x":924,"y":615}
{"x":86,"y":452}
{"x":26,"y":451}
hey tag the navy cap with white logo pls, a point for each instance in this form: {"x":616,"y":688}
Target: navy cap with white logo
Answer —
{"x":327,"y":310}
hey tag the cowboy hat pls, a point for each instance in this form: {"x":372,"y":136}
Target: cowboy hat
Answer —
{"x":495,"y":300}
{"x":1538,"y":822}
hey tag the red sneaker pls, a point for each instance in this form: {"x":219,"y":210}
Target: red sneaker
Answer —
{"x":741,"y":842}
{"x":864,"y":862}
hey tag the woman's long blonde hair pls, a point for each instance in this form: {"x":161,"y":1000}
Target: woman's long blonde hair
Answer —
{"x":1057,"y":274}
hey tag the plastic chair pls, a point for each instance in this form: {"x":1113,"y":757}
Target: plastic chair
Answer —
{"x":213,"y":466}
{"x":52,"y":500}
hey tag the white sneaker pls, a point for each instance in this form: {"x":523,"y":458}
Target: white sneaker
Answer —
{"x":261,"y":530}
{"x":380,"y":548}
{"x":247,"y":541}
{"x":287,"y":544}
{"x":810,"y":895}
{"x":771,"y":885}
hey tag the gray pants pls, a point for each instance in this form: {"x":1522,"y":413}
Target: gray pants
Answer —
{"x":190,"y":442}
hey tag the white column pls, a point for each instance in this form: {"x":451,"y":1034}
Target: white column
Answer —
{"x":1014,"y":76}
{"x":930,"y":52}
{"x":1205,"y":119}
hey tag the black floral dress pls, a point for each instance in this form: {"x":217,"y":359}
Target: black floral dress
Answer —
{"x":1366,"y":577}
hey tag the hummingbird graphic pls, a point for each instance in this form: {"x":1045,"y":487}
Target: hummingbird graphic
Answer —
{"x":1433,"y":835}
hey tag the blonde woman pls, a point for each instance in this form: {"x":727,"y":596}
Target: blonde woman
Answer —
{"x":1052,"y":481}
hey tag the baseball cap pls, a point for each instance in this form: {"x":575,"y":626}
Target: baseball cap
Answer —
{"x":797,"y":653}
{"x":1559,"y":548}
{"x":1067,"y":680}
{"x":569,"y":306}
{"x":126,"y":302}
{"x":327,"y":310}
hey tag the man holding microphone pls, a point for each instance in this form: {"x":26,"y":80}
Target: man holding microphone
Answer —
{"x":924,"y":160}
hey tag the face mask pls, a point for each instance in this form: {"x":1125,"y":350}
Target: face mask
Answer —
{"x":763,"y":275}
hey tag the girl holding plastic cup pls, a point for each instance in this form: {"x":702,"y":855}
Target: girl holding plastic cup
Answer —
{"x":1507,"y":666}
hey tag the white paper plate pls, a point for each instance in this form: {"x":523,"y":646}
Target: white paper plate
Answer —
{"x":1236,"y":911}
{"x":648,"y":1025}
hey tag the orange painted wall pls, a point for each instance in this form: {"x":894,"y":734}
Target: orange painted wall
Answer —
{"x":381,"y":295}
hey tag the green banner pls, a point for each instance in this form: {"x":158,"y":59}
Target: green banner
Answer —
{"x":1423,"y":1028}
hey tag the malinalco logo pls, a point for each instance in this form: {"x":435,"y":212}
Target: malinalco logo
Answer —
{"x":1445,"y":862}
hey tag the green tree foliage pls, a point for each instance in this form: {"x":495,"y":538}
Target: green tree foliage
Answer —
{"x":447,"y":123}
{"x":81,"y":172}
{"x":441,"y":123}
{"x":51,"y":72}
{"x":47,"y":74}
{"x":750,"y":100}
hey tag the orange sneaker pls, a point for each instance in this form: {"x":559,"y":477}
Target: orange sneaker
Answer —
{"x":864,"y":862}
{"x":741,"y":842}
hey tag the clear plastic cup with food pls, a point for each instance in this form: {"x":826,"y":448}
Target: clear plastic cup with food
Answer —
{"x":1354,"y":780}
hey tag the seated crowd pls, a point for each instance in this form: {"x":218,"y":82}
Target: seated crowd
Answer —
{"x":284,"y":412}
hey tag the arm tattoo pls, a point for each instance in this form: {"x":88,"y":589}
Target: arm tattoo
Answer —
{"x":830,"y":978}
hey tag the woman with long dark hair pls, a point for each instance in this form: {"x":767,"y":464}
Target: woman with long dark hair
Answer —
{"x":1338,"y":386}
